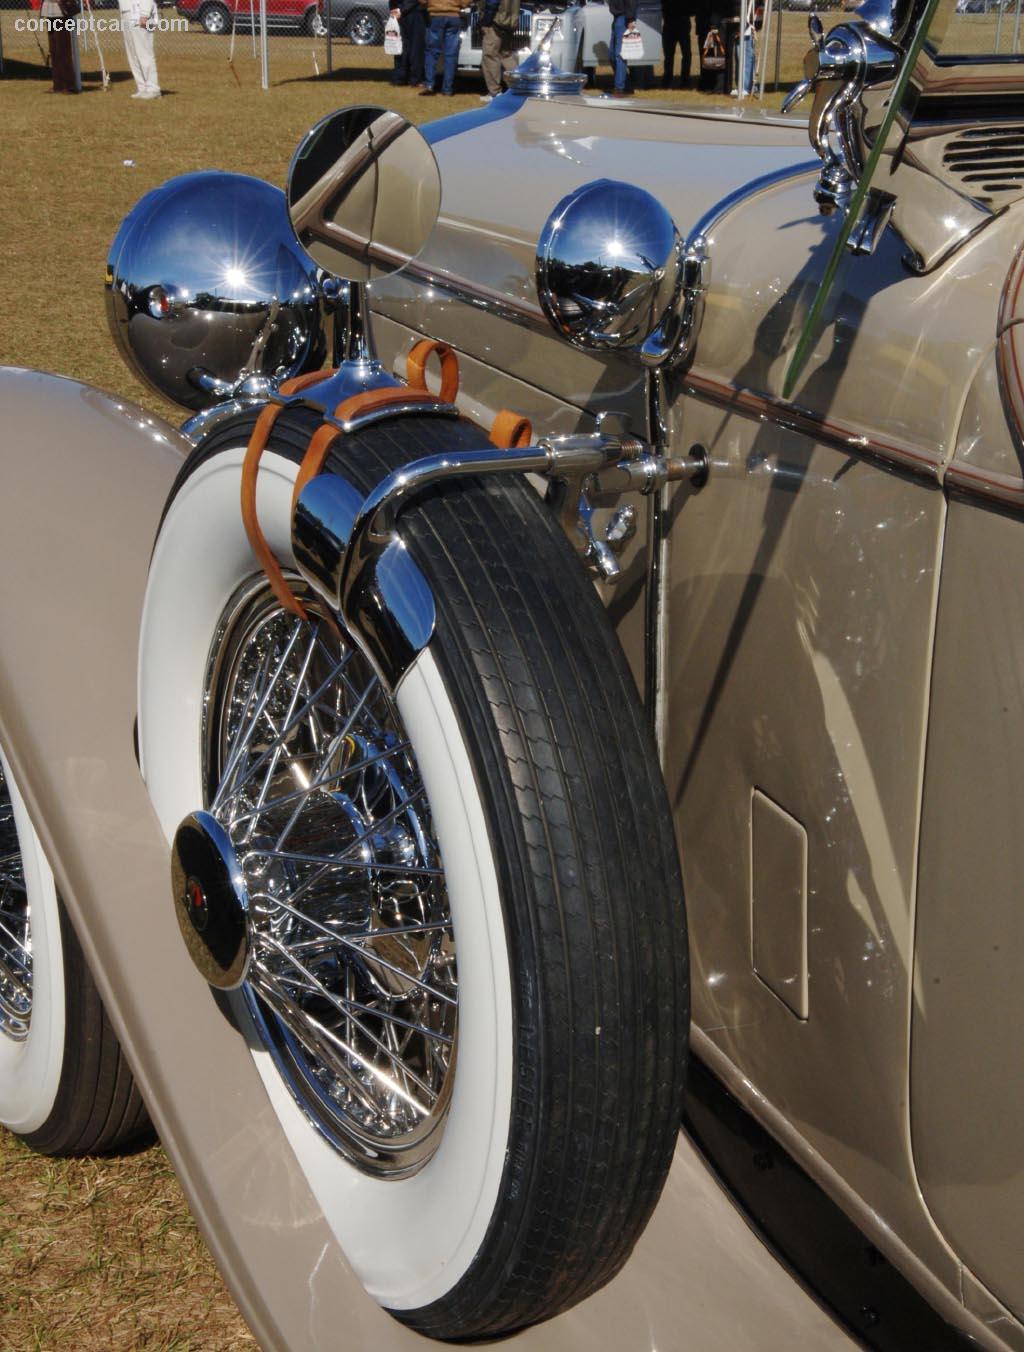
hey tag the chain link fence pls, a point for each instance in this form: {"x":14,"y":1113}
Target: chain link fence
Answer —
{"x":238,"y":42}
{"x":247,"y":42}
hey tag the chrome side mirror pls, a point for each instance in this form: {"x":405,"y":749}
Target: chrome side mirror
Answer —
{"x":614,"y":275}
{"x":364,"y":193}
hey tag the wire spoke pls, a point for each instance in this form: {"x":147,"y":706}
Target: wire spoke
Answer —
{"x":15,"y":929}
{"x":353,"y":948}
{"x":351,"y":941}
{"x":322,"y":990}
{"x":369,"y":1066}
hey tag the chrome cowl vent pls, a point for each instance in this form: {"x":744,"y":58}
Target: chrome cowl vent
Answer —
{"x":987,"y":162}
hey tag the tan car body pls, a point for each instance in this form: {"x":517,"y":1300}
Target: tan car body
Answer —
{"x":839,"y":718}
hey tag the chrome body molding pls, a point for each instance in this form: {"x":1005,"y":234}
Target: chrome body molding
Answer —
{"x":919,"y":460}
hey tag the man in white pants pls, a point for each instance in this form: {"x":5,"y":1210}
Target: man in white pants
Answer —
{"x":138,"y":17}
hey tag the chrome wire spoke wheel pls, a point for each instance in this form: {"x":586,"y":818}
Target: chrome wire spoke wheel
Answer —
{"x":351,"y":974}
{"x":15,"y":932}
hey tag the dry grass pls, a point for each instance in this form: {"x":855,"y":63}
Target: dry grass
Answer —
{"x":103,"y":1254}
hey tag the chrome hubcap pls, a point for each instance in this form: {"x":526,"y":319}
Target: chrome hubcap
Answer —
{"x":15,"y":937}
{"x":314,"y":881}
{"x":211,"y":901}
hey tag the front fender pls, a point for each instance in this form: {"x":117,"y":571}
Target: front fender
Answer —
{"x":83,"y":481}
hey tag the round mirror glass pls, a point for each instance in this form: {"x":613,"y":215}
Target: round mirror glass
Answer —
{"x":364,"y":193}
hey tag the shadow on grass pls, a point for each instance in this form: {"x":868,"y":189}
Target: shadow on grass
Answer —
{"x":92,"y":80}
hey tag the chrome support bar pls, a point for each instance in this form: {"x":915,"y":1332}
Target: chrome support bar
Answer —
{"x":348,"y":548}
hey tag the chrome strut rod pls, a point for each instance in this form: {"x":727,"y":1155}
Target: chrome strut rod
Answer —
{"x":347,"y":546}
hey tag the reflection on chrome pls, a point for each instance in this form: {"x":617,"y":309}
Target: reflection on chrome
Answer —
{"x":614,"y":275}
{"x":208,"y":294}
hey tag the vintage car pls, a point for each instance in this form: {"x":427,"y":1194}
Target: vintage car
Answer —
{"x":363,"y":22}
{"x":220,"y":16}
{"x":505,"y":818}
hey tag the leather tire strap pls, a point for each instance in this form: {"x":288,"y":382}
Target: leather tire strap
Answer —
{"x":250,"y":472}
{"x":509,"y":429}
{"x":312,"y":463}
{"x":416,"y":367}
{"x":324,"y":437}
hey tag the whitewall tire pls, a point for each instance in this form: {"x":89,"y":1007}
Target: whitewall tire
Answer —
{"x":571,"y":981}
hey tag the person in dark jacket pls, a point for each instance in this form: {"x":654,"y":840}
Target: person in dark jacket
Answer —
{"x":623,"y":14}
{"x":413,"y":24}
{"x":675,"y":32}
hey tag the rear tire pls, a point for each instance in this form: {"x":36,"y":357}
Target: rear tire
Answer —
{"x":524,"y":686}
{"x":364,"y":28}
{"x":65,"y":1087}
{"x":215,"y":19}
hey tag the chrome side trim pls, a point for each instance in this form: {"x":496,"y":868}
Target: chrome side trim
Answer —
{"x":530,"y":314}
{"x":479,"y":296}
{"x":921,"y":460}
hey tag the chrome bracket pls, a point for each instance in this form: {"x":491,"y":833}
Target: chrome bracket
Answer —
{"x":348,"y":548}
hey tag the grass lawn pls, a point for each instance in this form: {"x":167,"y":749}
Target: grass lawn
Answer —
{"x":98,"y":1254}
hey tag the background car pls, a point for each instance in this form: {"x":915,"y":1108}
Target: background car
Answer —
{"x":362,"y":21}
{"x":597,"y":31}
{"x":218,"y":16}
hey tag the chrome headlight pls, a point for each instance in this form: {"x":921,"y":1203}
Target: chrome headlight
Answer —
{"x":208,"y":293}
{"x":613,"y":274}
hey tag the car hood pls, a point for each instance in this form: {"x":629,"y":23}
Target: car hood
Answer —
{"x":895,"y":354}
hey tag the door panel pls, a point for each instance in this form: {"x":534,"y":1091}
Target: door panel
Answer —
{"x":800,"y":622}
{"x":967,"y":1099}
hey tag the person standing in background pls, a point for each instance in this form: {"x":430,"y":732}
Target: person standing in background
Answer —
{"x":623,"y":14}
{"x":675,"y":31}
{"x":444,"y":33}
{"x":138,"y":19}
{"x":62,"y":40}
{"x":413,"y":25}
{"x":497,"y":51}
